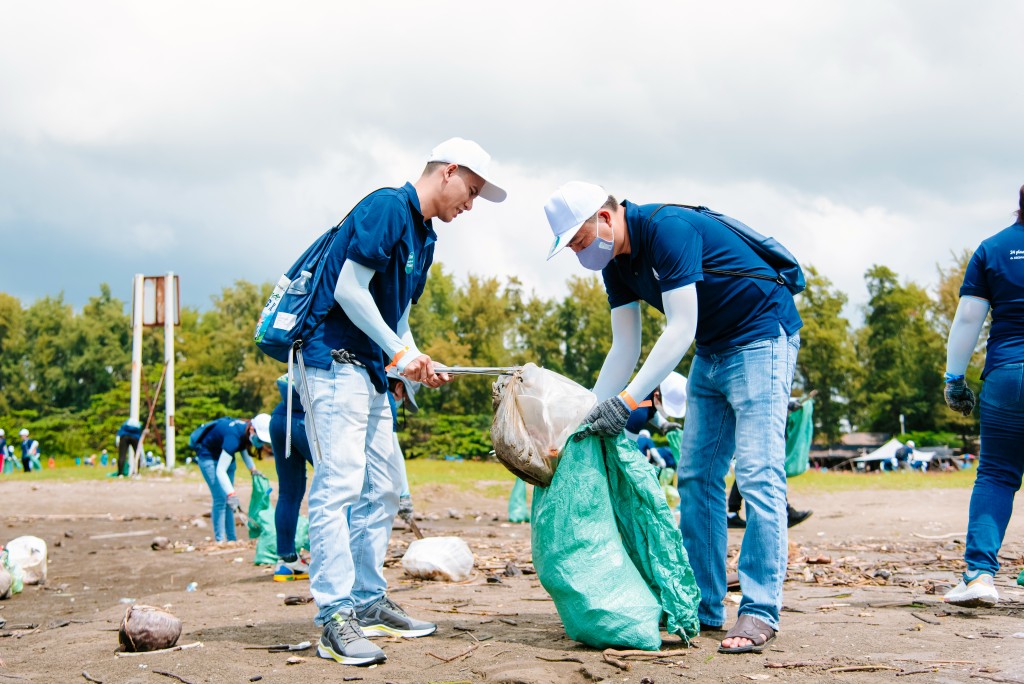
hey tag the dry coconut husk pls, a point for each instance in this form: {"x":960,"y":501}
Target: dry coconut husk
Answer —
{"x":145,"y":628}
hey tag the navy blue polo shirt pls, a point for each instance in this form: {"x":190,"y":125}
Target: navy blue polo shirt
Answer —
{"x":385,"y":232}
{"x":126,"y":430}
{"x":282,"y":407}
{"x":996,"y":274}
{"x":227,"y":434}
{"x":672,"y":251}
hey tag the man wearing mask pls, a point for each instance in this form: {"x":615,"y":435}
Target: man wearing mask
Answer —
{"x":714,"y":288}
{"x":383,"y":254}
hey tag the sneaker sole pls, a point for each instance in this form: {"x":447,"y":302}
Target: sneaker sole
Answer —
{"x":290,"y":578}
{"x":385,"y":631}
{"x":329,"y":654}
{"x":973,"y":602}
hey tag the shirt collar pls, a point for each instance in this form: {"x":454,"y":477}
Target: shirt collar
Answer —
{"x":414,"y":199}
{"x":634,"y":221}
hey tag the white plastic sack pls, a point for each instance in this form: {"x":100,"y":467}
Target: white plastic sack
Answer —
{"x":29,"y":554}
{"x":535,"y":412}
{"x":439,"y":558}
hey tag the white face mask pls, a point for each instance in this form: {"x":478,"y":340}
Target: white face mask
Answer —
{"x":599,"y":252}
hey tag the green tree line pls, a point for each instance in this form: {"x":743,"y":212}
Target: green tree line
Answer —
{"x":65,"y":374}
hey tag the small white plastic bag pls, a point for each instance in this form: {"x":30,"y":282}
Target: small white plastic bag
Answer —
{"x":439,"y":558}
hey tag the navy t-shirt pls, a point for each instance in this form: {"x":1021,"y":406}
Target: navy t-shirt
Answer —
{"x":227,"y":434}
{"x":282,"y":408}
{"x":673,"y":249}
{"x":385,"y":232}
{"x":996,"y":274}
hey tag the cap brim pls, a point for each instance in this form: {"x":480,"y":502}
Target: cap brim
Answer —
{"x":491,"y":192}
{"x":563,"y":240}
{"x":674,"y":410}
{"x":410,"y":396}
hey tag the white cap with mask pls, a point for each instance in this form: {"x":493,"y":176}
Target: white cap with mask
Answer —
{"x":568,"y":209}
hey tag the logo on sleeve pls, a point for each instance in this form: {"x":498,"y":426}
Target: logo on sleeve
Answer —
{"x":1016,"y":254}
{"x":410,"y":262}
{"x":656,"y":276}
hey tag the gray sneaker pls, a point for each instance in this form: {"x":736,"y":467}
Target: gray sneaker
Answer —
{"x":344,"y":642}
{"x":384,"y":617}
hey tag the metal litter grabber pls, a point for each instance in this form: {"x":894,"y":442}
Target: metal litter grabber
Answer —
{"x":477,"y":370}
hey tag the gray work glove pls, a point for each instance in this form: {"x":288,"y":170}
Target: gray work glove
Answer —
{"x":405,"y":508}
{"x":606,"y":419}
{"x":669,"y":427}
{"x":959,"y":396}
{"x":234,"y":504}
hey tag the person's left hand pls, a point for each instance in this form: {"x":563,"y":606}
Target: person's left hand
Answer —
{"x":607,"y":419}
{"x":959,"y":397}
{"x":421,"y":369}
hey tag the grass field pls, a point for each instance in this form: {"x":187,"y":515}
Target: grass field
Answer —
{"x":492,"y":479}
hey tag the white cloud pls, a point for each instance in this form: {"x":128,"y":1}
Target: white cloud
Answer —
{"x":216,"y":139}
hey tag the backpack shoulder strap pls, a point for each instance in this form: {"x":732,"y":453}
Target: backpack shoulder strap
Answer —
{"x":700,"y":208}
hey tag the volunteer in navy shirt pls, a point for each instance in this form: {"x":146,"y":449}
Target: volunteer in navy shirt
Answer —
{"x":994,"y":281}
{"x":378,"y":265}
{"x":215,"y":455}
{"x":291,"y":481}
{"x":746,"y":330}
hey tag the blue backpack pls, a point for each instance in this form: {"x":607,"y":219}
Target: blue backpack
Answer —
{"x":301,"y":300}
{"x":197,"y":435}
{"x":770,"y":250}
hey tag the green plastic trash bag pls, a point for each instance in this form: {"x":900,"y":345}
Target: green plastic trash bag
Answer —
{"x":259,"y":502}
{"x":266,"y":538}
{"x":669,"y":487}
{"x":17,"y":575}
{"x":607,"y":550}
{"x":518,"y":511}
{"x":266,"y":542}
{"x":799,"y":435}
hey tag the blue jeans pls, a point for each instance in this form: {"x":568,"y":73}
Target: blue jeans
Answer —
{"x":1000,"y":467}
{"x":291,"y":477}
{"x":221,"y":517}
{"x":737,"y":407}
{"x":354,"y":496}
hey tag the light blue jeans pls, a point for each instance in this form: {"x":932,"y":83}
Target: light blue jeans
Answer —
{"x":1000,"y":468}
{"x":221,"y":517}
{"x":354,"y":495}
{"x":736,"y":407}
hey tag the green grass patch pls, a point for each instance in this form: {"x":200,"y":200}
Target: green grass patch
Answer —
{"x":484,"y":477}
{"x":813,"y":482}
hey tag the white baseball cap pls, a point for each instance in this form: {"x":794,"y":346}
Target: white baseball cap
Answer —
{"x":673,"y":395}
{"x":568,"y":207}
{"x":23,"y":432}
{"x":2,"y":433}
{"x":467,"y":153}
{"x":261,"y":423}
{"x":910,"y":443}
{"x":411,"y":386}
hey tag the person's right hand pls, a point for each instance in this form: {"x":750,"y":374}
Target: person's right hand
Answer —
{"x":233,"y":502}
{"x":421,"y":369}
{"x":959,"y":396}
{"x":669,"y":427}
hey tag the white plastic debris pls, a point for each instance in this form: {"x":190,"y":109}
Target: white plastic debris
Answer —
{"x":29,"y":554}
{"x":439,"y":558}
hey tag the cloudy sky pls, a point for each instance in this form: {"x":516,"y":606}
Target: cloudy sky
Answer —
{"x":217,"y":139}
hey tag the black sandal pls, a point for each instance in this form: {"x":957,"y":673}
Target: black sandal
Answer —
{"x":757,"y":631}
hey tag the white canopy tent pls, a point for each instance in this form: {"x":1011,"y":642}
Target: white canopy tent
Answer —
{"x":887,"y":451}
